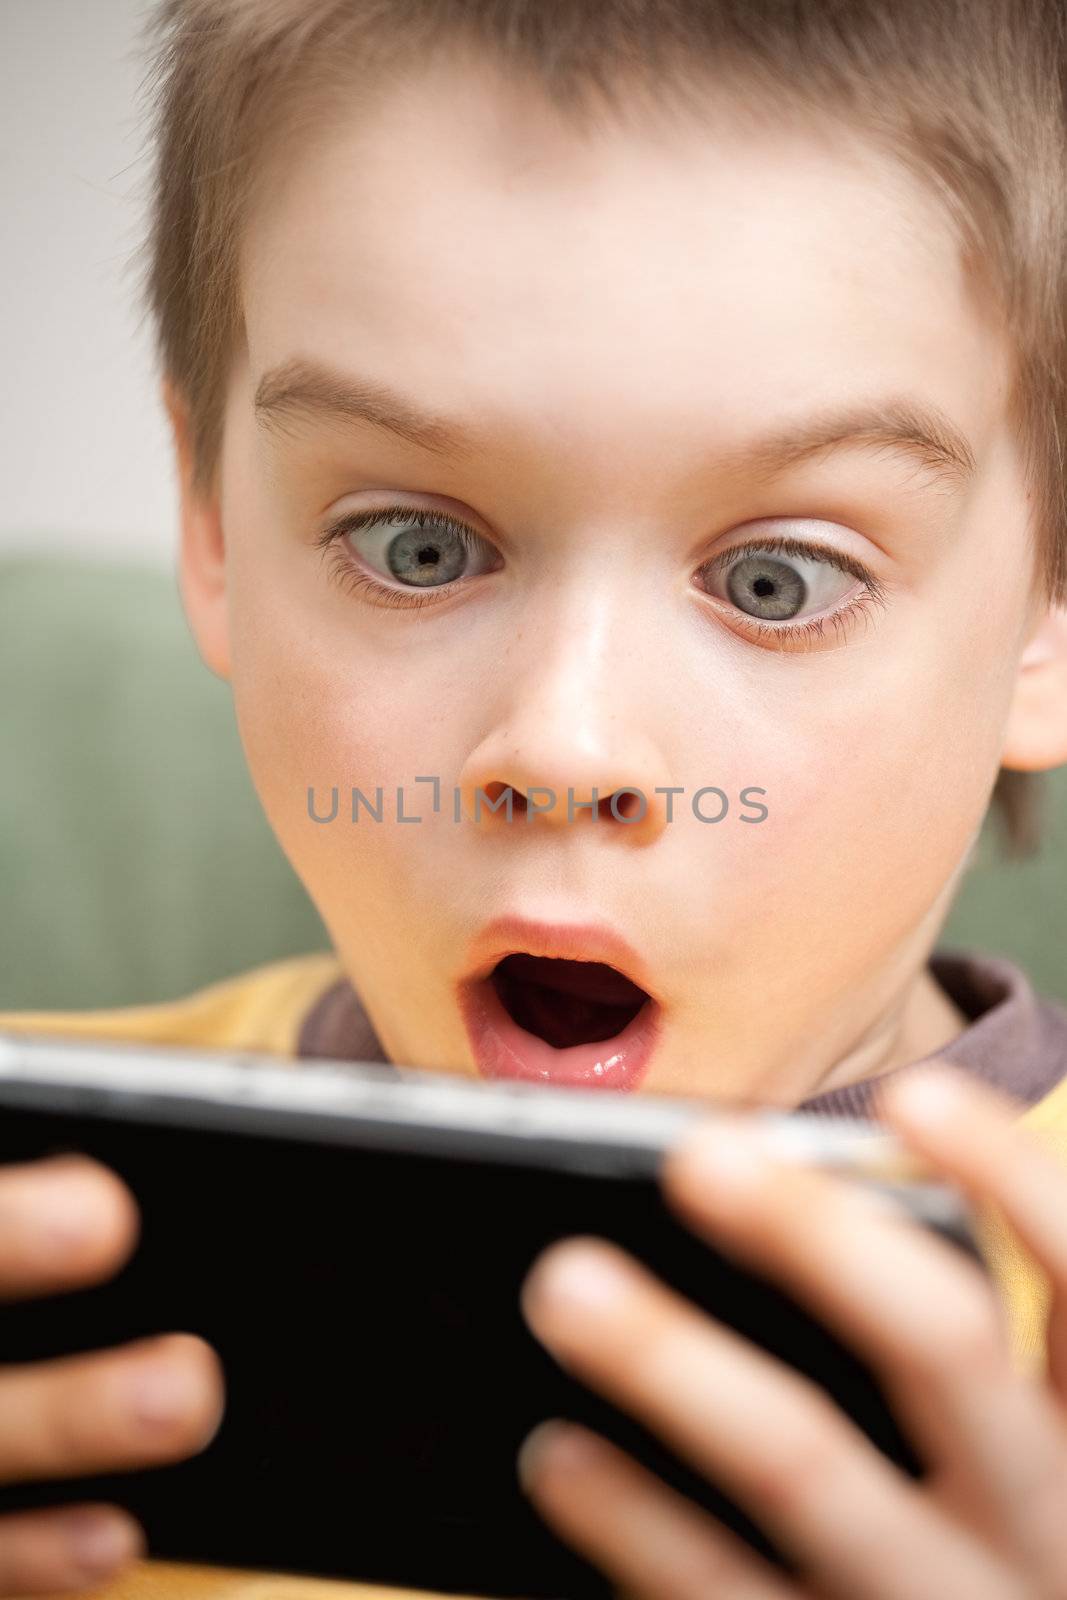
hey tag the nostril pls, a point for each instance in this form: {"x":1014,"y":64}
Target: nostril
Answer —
{"x":496,"y":800}
{"x":627,"y":804}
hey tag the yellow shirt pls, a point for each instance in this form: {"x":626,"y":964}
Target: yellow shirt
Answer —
{"x":262,"y":1010}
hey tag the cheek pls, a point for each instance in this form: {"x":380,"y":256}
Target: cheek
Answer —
{"x":317,"y":709}
{"x":324,"y":702}
{"x":878,"y":760}
{"x":882,"y":772}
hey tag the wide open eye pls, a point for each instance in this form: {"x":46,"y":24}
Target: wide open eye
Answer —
{"x":415,"y":548}
{"x":783,"y":579}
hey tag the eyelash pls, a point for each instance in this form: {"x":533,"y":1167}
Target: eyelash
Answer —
{"x":353,"y":579}
{"x":872,"y":595}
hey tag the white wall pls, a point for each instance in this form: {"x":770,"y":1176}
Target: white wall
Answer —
{"x":84,"y":456}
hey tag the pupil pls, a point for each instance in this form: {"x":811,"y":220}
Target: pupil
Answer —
{"x":428,"y":557}
{"x":763,"y":586}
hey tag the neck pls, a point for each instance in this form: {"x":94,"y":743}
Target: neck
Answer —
{"x":924,"y":1023}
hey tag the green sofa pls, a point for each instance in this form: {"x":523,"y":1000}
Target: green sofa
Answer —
{"x":134,"y":855}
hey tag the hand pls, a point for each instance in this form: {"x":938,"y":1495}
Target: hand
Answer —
{"x":988,"y":1522}
{"x":66,"y":1222}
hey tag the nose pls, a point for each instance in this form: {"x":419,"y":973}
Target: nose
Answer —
{"x":572,"y":744}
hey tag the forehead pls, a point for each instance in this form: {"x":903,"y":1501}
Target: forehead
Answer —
{"x":462,"y":236}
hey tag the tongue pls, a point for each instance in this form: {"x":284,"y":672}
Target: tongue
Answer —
{"x":586,"y":980}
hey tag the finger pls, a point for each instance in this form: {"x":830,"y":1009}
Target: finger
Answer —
{"x":772,"y":1440}
{"x":150,"y":1401}
{"x":640,"y":1532}
{"x":53,"y":1551}
{"x":64,"y":1221}
{"x":922,"y":1315}
{"x":972,"y":1132}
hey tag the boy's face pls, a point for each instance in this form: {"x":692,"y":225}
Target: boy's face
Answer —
{"x":614,"y":322}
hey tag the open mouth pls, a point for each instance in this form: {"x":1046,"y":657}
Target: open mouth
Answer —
{"x":559,"y":1021}
{"x":566,"y":1002}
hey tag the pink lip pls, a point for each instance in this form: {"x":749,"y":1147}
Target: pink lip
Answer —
{"x":504,"y":1050}
{"x":567,"y":941}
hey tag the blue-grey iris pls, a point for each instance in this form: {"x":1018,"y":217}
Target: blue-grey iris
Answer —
{"x":426,"y":556}
{"x":766,"y":588}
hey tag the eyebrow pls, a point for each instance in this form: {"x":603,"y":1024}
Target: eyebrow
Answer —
{"x":902,"y":425}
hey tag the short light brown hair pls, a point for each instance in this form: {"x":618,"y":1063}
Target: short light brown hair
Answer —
{"x":971,"y":95}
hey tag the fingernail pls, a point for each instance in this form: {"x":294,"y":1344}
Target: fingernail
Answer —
{"x":587,"y":1278}
{"x":98,"y":1544}
{"x":164,"y":1393}
{"x":64,"y":1209}
{"x":931,"y":1098}
{"x":730,"y":1160}
{"x":561,"y":1442}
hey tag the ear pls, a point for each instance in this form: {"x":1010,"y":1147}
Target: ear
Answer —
{"x":1036,"y":736}
{"x":202,"y":551}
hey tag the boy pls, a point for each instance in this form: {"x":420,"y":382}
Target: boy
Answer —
{"x":655,"y":408}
